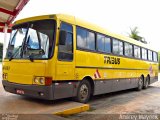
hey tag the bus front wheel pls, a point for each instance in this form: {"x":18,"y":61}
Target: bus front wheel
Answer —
{"x":140,"y":84}
{"x":84,"y":91}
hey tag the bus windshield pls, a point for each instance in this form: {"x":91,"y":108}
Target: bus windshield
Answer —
{"x":32,"y":40}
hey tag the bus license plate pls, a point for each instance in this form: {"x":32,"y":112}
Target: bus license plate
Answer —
{"x":19,"y":91}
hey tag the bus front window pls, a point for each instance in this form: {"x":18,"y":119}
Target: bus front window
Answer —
{"x":32,"y":40}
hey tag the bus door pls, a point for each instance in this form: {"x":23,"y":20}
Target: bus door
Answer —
{"x":65,"y":62}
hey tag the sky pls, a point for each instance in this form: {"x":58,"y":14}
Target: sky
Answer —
{"x":117,"y":16}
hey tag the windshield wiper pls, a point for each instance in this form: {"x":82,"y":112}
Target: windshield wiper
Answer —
{"x":15,"y":53}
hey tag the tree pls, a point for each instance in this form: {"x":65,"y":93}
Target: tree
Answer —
{"x":134,"y":33}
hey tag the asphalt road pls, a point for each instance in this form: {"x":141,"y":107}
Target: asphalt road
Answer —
{"x":112,"y":104}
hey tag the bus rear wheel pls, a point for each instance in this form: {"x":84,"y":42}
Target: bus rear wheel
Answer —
{"x":140,"y":84}
{"x":84,"y":92}
{"x":146,"y":83}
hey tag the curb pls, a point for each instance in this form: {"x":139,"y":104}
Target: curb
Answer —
{"x":72,"y":111}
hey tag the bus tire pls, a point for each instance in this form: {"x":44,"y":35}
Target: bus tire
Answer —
{"x":146,"y":83}
{"x":83,"y":92}
{"x":140,"y":84}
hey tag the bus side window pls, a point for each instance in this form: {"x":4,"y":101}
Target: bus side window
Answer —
{"x":128,"y":49}
{"x":150,"y":56}
{"x":117,"y":47}
{"x":155,"y":57}
{"x":65,"y":52}
{"x":137,"y":52}
{"x":144,"y":54}
{"x":86,"y":39}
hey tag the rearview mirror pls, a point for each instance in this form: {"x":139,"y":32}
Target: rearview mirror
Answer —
{"x":62,"y":37}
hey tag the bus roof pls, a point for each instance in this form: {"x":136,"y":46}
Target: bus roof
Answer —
{"x":76,"y":21}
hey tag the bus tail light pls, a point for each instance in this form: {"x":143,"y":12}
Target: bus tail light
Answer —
{"x":48,"y":80}
{"x":42,"y":80}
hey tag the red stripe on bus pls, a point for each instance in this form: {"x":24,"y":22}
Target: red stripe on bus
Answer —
{"x":95,"y":76}
{"x":98,"y":73}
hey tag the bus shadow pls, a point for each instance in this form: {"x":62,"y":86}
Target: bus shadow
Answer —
{"x":112,"y":94}
{"x":44,"y":102}
{"x":119,"y":97}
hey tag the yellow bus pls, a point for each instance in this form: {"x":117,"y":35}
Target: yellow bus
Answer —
{"x":59,"y":56}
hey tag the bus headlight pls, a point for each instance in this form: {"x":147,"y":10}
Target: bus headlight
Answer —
{"x":36,"y":80}
{"x":42,"y":80}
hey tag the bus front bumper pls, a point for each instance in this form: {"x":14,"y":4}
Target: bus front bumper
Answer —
{"x":37,"y":91}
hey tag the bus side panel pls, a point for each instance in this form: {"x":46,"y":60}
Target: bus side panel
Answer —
{"x":65,"y":89}
{"x":108,"y":86}
{"x":103,"y":87}
{"x":110,"y":76}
